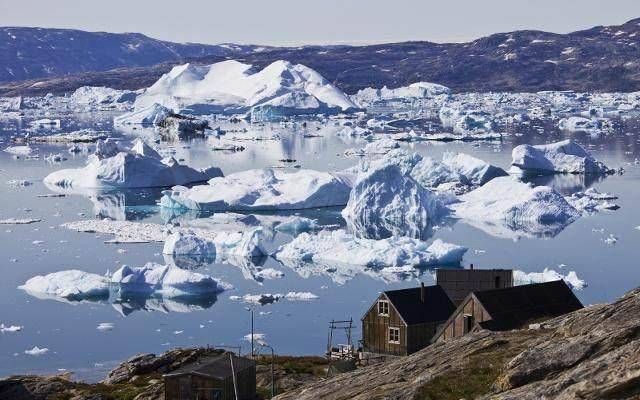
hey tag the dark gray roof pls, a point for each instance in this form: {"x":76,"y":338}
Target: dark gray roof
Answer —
{"x":437,"y":306}
{"x":218,"y":367}
{"x":512,"y":307}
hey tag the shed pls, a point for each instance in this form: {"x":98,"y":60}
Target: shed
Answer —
{"x":401,"y":322}
{"x":509,"y":308}
{"x":211,"y":378}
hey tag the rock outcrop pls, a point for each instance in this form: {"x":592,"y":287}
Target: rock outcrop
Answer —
{"x":593,"y":353}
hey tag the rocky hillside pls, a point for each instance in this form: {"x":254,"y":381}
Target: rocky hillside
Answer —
{"x":598,"y":59}
{"x":593,"y":353}
{"x":27,"y":53}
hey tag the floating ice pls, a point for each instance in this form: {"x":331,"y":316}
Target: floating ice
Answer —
{"x":341,"y":247}
{"x":103,"y":96}
{"x":591,"y":201}
{"x":560,"y":157}
{"x":548,"y":275}
{"x":505,"y":201}
{"x":230,"y":87}
{"x":269,"y":273}
{"x":9,"y":328}
{"x":105,"y":326}
{"x":19,"y":150}
{"x":152,"y":114}
{"x":297,"y":224}
{"x":266,"y":190}
{"x":36,"y":351}
{"x":71,"y":285}
{"x":416,"y":90}
{"x":179,"y":127}
{"x":589,"y":125}
{"x":230,"y":243}
{"x":113,"y":166}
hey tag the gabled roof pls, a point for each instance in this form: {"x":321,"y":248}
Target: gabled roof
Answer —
{"x":512,"y":307}
{"x":218,"y":366}
{"x":437,"y":305}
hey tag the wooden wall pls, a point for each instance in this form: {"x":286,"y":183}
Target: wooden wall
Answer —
{"x":202,"y":387}
{"x":375,"y":331}
{"x":458,"y":283}
{"x":454,"y":327}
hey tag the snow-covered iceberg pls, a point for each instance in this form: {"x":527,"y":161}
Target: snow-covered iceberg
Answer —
{"x":103,"y":96}
{"x":561,"y":157}
{"x":548,"y":275}
{"x":151,"y":114}
{"x":113,"y":166}
{"x":71,"y":285}
{"x":385,"y":202}
{"x":265,"y":190}
{"x":520,"y":206}
{"x":417,"y":90}
{"x":228,"y":243}
{"x":341,"y":247}
{"x":279,"y":90}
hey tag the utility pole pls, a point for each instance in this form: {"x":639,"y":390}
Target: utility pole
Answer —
{"x":252,"y":347}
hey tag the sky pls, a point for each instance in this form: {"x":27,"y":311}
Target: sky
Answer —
{"x":292,"y":22}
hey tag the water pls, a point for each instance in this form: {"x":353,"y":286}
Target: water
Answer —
{"x":69,"y":329}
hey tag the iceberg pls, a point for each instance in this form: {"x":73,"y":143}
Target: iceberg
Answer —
{"x":385,"y":201}
{"x":592,"y":201}
{"x":561,"y":157}
{"x":103,"y":96}
{"x":112,"y":166}
{"x":417,"y":90}
{"x":297,"y":224}
{"x":231,"y":87}
{"x":589,"y":125}
{"x":71,"y":285}
{"x":341,"y":247}
{"x":165,"y":281}
{"x":19,"y":150}
{"x":504,"y":200}
{"x":229,"y":243}
{"x":475,"y":171}
{"x":152,"y":114}
{"x":548,"y":275}
{"x":264,"y":190}
{"x":178,"y":127}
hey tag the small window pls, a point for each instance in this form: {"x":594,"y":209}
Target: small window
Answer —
{"x":394,"y":335}
{"x":383,"y":308}
{"x":497,"y":282}
{"x":468,"y":323}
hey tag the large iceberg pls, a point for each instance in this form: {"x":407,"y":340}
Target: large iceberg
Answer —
{"x":561,"y":157}
{"x":104,"y":96}
{"x":113,"y":166}
{"x":385,"y":201}
{"x":279,"y":90}
{"x":228,"y":243}
{"x":341,"y":247}
{"x":504,"y":200}
{"x":417,"y":90}
{"x":265,"y":190}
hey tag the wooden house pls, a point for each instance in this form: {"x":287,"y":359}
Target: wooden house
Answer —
{"x":401,"y":322}
{"x":509,"y":308}
{"x":458,"y":283}
{"x":212,"y":378}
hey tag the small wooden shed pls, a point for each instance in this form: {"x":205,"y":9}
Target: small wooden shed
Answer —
{"x":211,"y":378}
{"x":509,"y":308}
{"x":401,"y":322}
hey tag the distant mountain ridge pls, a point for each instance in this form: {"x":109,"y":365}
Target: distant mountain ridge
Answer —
{"x":596,"y":59}
{"x":28,"y":53}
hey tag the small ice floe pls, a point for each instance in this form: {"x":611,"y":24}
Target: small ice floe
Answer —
{"x":19,"y":221}
{"x":231,"y":147}
{"x":124,"y":231}
{"x":36,"y":351}
{"x":354,"y":131}
{"x":147,"y":115}
{"x":342,"y":247}
{"x":589,"y":125}
{"x":300,"y":296}
{"x":105,"y":326}
{"x":610,"y":240}
{"x":297,"y":224}
{"x":462,"y":137}
{"x":591,"y":201}
{"x":114,"y":166}
{"x":71,"y":285}
{"x":560,"y":157}
{"x":548,"y":275}
{"x":55,"y":158}
{"x":81,"y":136}
{"x":176,"y":127}
{"x":10,"y":328}
{"x":19,"y":183}
{"x":19,"y":150}
{"x":45,"y":123}
{"x":264,"y":190}
{"x":269,"y":273}
{"x":269,"y":298}
{"x":381,"y":146}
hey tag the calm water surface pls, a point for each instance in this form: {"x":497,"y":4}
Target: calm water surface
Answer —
{"x":68,"y":329}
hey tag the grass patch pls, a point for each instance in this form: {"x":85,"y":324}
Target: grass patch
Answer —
{"x":296,"y":365}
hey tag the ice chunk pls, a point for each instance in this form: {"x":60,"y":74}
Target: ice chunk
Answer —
{"x":262,"y":190}
{"x":548,"y":275}
{"x":417,"y":90}
{"x":115,"y":167}
{"x":341,"y":247}
{"x":230,"y":243}
{"x":167,"y":281}
{"x":151,"y":114}
{"x":19,"y":150}
{"x":105,"y":326}
{"x":475,"y":171}
{"x":179,"y":127}
{"x":19,"y":221}
{"x":298,"y":224}
{"x":560,"y":157}
{"x":591,"y":201}
{"x":507,"y":201}
{"x":269,"y":273}
{"x":9,"y":328}
{"x":36,"y":351}
{"x":71,"y":285}
{"x":589,"y":125}
{"x":386,"y":202}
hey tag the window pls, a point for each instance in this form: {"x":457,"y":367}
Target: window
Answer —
{"x":383,"y":308}
{"x":497,"y":282}
{"x":394,"y":335}
{"x":468,"y":323}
